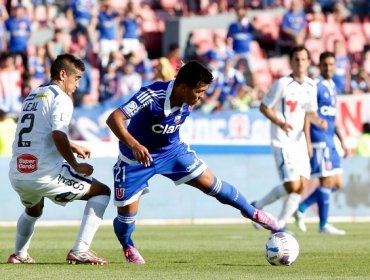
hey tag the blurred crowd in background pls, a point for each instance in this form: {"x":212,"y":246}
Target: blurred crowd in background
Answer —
{"x":120,"y":43}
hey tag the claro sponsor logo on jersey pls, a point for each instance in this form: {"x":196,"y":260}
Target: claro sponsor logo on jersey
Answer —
{"x":165,"y":129}
{"x":70,"y":182}
{"x":26,"y":163}
{"x":328,"y":111}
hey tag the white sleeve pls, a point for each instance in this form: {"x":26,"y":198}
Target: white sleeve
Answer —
{"x":61,"y":114}
{"x":274,"y":95}
{"x":312,"y":102}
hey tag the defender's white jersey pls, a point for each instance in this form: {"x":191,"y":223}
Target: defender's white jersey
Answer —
{"x":35,"y":156}
{"x":291,"y":100}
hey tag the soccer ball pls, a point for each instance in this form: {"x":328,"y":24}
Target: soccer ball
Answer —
{"x":281,"y":248}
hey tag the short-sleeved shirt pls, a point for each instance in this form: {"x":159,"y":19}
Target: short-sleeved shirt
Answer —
{"x":19,"y":29}
{"x":242,"y":36}
{"x":152,"y":120}
{"x":290,"y":100}
{"x":295,"y":21}
{"x":327,"y":110}
{"x":107,"y":25}
{"x":35,"y":156}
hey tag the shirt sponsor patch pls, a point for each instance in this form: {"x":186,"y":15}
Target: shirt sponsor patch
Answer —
{"x":130,"y":107}
{"x":177,"y":118}
{"x":26,"y":163}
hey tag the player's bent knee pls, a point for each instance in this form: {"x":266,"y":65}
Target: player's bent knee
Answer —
{"x":98,"y":188}
{"x":37,"y":210}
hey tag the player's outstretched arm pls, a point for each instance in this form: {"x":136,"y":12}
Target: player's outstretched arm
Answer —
{"x":315,"y":119}
{"x":271,"y":115}
{"x":115,"y":122}
{"x":63,"y":145}
{"x":82,"y":152}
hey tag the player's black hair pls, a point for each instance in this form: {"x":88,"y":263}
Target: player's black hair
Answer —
{"x":325,"y":55}
{"x":67,"y":62}
{"x":298,"y":48}
{"x":194,"y":73}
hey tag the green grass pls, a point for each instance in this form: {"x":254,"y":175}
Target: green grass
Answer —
{"x":193,"y":252}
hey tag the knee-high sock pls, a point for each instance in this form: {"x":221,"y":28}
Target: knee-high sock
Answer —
{"x":323,"y":203}
{"x":276,"y":193}
{"x":124,"y":226}
{"x":25,"y":230}
{"x":289,"y":207}
{"x":228,"y":194}
{"x":93,"y":215}
{"x":311,"y":199}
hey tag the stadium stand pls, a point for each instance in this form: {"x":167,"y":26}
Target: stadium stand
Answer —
{"x":266,"y":62}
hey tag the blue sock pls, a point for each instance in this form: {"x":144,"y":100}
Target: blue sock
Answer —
{"x":227,"y":194}
{"x":311,"y":199}
{"x":323,"y":203}
{"x":124,"y":226}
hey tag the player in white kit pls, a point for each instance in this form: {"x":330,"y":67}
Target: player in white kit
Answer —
{"x":43,"y":163}
{"x":291,"y":101}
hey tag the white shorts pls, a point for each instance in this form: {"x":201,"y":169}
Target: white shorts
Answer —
{"x":292,"y":162}
{"x":130,"y":45}
{"x":65,"y":187}
{"x":105,"y":49}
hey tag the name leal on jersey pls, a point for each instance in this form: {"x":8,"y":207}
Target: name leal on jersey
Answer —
{"x":168,"y":129}
{"x":30,"y":105}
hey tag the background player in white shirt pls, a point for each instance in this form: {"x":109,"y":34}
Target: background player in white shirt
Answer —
{"x":325,"y":160}
{"x":43,"y":163}
{"x":290,"y":101}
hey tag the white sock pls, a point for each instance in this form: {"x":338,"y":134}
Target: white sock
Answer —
{"x":93,"y":215}
{"x":25,"y":230}
{"x":289,"y":207}
{"x":273,"y":195}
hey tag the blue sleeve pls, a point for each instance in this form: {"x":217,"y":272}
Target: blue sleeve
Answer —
{"x":133,"y":106}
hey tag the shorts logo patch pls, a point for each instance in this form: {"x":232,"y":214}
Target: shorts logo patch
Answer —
{"x":26,"y":163}
{"x":120,"y":192}
{"x":65,"y":197}
{"x":193,"y":166}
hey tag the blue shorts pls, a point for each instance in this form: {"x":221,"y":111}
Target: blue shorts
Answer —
{"x":325,"y":161}
{"x":131,"y":178}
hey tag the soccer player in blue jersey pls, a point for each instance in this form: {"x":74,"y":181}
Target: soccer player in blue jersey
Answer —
{"x":325,"y":160}
{"x":151,"y":145}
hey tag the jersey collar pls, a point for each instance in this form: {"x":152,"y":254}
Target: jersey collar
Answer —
{"x":167,"y":104}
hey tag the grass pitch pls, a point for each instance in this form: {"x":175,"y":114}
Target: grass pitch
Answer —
{"x":193,"y":252}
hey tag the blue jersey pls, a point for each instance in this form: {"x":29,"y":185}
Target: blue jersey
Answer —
{"x":152,"y":120}
{"x":242,"y":36}
{"x":295,"y":21}
{"x":131,"y":27}
{"x":107,"y":25}
{"x":82,"y":10}
{"x":325,"y":160}
{"x":327,"y":110}
{"x":19,"y":29}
